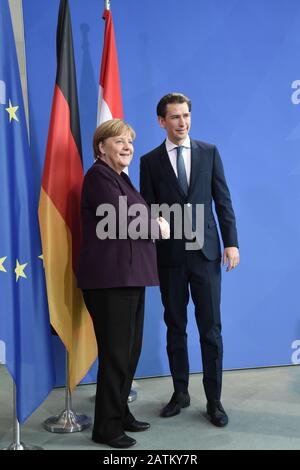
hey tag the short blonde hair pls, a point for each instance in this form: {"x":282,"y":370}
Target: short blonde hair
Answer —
{"x":111,"y":128}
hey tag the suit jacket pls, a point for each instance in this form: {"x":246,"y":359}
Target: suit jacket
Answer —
{"x":113,"y":262}
{"x":159,"y":184}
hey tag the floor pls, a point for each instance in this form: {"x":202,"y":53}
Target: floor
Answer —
{"x":263,"y":407}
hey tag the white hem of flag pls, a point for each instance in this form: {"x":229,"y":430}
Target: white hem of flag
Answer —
{"x":104,"y":113}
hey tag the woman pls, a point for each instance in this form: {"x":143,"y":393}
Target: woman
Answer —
{"x":114,"y":269}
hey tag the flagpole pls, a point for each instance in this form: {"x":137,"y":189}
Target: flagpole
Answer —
{"x":107,"y":4}
{"x":17,"y":444}
{"x":67,"y":421}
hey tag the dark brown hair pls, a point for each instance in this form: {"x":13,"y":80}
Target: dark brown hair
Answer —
{"x":161,"y":108}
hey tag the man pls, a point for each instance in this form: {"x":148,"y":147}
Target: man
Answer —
{"x":190,"y":172}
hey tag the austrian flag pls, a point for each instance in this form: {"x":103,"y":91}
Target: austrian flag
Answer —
{"x":109,"y":98}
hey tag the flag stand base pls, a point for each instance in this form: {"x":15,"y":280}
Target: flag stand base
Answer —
{"x":17,"y":444}
{"x":21,"y":446}
{"x":67,"y":422}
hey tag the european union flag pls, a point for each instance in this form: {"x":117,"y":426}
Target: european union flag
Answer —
{"x":24,"y":318}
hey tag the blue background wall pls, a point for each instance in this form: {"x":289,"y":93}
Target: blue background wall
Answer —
{"x":237,"y":60}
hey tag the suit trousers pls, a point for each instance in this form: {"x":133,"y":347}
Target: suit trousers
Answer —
{"x":202,"y":278}
{"x":118,"y":317}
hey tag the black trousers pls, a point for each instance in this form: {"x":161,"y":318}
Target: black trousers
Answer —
{"x":118,"y":317}
{"x":203,"y":277}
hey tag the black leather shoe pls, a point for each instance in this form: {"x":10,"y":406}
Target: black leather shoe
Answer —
{"x":136,"y":426}
{"x":217,"y":413}
{"x":120,"y":442}
{"x":179,"y":400}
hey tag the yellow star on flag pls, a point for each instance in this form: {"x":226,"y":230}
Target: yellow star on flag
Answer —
{"x":42,"y":258}
{"x":2,"y":268}
{"x":20,"y":270}
{"x":12,"y":112}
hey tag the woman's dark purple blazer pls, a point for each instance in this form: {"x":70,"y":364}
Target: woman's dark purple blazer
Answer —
{"x":113,"y":263}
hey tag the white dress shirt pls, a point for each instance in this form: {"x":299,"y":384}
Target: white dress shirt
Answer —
{"x":186,"y":153}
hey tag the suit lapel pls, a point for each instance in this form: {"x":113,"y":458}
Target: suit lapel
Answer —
{"x":195,"y":165}
{"x":168,"y":169}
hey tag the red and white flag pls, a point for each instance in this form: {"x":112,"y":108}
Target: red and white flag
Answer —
{"x":109,"y":98}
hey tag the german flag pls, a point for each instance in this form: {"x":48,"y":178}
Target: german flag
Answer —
{"x":59,"y":211}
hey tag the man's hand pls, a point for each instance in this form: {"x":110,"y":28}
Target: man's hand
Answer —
{"x":232,"y":255}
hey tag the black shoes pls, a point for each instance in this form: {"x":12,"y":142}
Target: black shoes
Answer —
{"x":217,"y":414}
{"x":121,"y":442}
{"x":136,"y":426}
{"x":179,"y":400}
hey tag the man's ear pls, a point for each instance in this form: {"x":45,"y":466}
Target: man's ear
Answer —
{"x":161,"y":121}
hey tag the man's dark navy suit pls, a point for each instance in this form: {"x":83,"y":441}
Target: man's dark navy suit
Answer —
{"x":200,"y":270}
